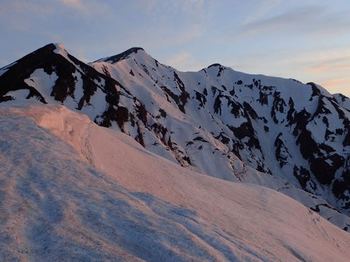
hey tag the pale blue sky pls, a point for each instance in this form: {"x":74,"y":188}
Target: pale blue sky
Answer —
{"x":304,"y":39}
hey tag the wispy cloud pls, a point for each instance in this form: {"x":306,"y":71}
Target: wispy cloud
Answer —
{"x":338,"y":85}
{"x":43,"y":8}
{"x":18,"y":14}
{"x":87,"y":7}
{"x":184,"y":61}
{"x":329,"y":67}
{"x":323,"y":59}
{"x":315,"y":19}
{"x":331,"y":70}
{"x":342,"y":63}
{"x":187,"y":6}
{"x":261,"y":10}
{"x":20,"y":6}
{"x":76,"y":4}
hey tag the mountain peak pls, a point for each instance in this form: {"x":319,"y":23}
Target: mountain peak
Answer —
{"x":121,"y":56}
{"x":46,"y":50}
{"x":60,"y":49}
{"x":59,"y":46}
{"x":215,"y":65}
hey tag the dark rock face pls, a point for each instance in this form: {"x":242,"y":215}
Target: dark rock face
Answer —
{"x":341,"y":185}
{"x":13,"y":79}
{"x":217,"y":105}
{"x":201,"y":98}
{"x":277,"y":106}
{"x":45,"y":58}
{"x":69,"y":71}
{"x":281,"y":151}
{"x":177,"y":99}
{"x":184,"y":96}
{"x":303,"y":176}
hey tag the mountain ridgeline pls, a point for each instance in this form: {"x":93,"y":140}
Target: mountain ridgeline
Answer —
{"x":218,"y":121}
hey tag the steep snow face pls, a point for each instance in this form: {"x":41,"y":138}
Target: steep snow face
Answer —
{"x":142,"y":207}
{"x":239,"y":127}
{"x":343,"y":101}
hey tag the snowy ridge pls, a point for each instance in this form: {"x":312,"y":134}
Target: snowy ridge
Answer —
{"x":343,"y":101}
{"x":279,"y":133}
{"x":121,"y":56}
{"x":268,"y":122}
{"x":141,"y":208}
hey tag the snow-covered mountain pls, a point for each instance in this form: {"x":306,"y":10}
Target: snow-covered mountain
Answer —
{"x":73,"y":191}
{"x":279,"y":133}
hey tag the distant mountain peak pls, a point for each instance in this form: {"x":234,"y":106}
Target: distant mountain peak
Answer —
{"x":121,"y":56}
{"x":220,"y":68}
{"x":59,"y":46}
{"x":215,"y":65}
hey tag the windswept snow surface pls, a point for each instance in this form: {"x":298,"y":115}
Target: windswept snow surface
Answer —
{"x":70,"y":190}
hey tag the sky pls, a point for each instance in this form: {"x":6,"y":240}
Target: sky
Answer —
{"x":308,"y":40}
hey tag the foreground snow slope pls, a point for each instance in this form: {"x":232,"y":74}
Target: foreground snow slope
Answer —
{"x":135,"y":205}
{"x":86,"y":138}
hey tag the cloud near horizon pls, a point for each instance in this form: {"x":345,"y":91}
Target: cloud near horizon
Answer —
{"x":309,"y":19}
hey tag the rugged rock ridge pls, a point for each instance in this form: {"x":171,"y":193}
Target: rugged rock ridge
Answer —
{"x":50,"y":74}
{"x":219,"y":121}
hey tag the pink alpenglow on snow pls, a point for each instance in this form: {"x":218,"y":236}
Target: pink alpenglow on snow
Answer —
{"x":101,"y":196}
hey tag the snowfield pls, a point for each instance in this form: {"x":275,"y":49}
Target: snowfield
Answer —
{"x":71,"y":190}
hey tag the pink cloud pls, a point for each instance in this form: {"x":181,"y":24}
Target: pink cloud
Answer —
{"x":338,"y":85}
{"x":72,"y":3}
{"x":87,"y":7}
